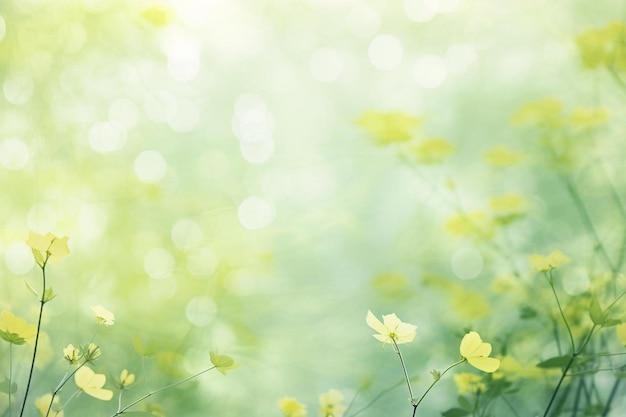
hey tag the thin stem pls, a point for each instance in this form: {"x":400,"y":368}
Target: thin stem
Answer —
{"x":376,"y":398}
{"x":406,"y":375}
{"x":607,"y":406}
{"x":556,"y":297}
{"x":437,"y":380}
{"x":122,"y":410}
{"x":10,"y":375}
{"x":62,"y":383}
{"x":42,"y":302}
{"x":558,"y":385}
{"x":508,"y":403}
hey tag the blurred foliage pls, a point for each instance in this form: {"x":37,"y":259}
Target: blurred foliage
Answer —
{"x":250,"y":178}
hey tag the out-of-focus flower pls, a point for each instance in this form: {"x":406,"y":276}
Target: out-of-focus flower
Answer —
{"x":586,"y":118}
{"x":602,"y":46}
{"x":158,"y":15}
{"x":42,"y":403}
{"x":508,"y":207}
{"x":388,"y":128}
{"x":331,"y":404}
{"x":16,"y":330}
{"x":391,"y":329}
{"x":500,"y":157}
{"x":71,"y":354}
{"x":476,"y":352}
{"x":91,"y":383}
{"x":223,"y":363}
{"x":468,"y":383}
{"x":545,"y":113}
{"x":540,"y":263}
{"x":431,"y":151}
{"x":47,"y":247}
{"x":126,"y":378}
{"x":291,"y":407}
{"x":476,"y":225}
{"x":103,"y":316}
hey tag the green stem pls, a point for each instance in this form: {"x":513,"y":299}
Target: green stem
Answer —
{"x":376,"y":398}
{"x":437,"y":380}
{"x":607,"y":406}
{"x":558,"y":303}
{"x":406,"y":375}
{"x":558,"y":385}
{"x":62,"y":383}
{"x":10,"y":375}
{"x":42,"y":302}
{"x":121,"y":411}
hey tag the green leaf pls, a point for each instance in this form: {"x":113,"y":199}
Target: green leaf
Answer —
{"x":555,"y":362}
{"x":455,"y":412}
{"x":31,"y":289}
{"x":598,"y":317}
{"x":612,"y":322}
{"x":465,"y":403}
{"x":4,"y":387}
{"x":527,"y":313}
{"x":223,"y":363}
{"x":48,"y":295}
{"x":13,"y":338}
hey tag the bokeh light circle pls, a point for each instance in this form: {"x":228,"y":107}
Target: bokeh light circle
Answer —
{"x":385,"y":52}
{"x":256,"y":213}
{"x":105,"y":137}
{"x":363,"y":21}
{"x":159,"y":263}
{"x":41,"y":218}
{"x":200,"y":311}
{"x":429,"y":71}
{"x":150,"y":167}
{"x":19,"y":258}
{"x":202,"y":263}
{"x":467,"y":263}
{"x":186,"y":234}
{"x":18,"y":89}
{"x":326,"y":65}
{"x":14,"y":154}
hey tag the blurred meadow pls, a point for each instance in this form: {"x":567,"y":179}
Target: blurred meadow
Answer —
{"x":250,"y":177}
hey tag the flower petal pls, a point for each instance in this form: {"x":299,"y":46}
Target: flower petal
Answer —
{"x":375,"y":324}
{"x":484,"y":364}
{"x":471,"y":341}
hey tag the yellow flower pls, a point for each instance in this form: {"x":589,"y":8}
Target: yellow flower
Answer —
{"x":331,"y":404}
{"x":126,"y":378}
{"x":585,"y":118}
{"x":431,"y":151}
{"x":621,"y":333}
{"x":15,"y":330}
{"x":542,"y":263}
{"x":91,"y":383}
{"x":476,"y":352}
{"x":540,"y":113}
{"x":467,"y":383}
{"x":71,"y":354}
{"x":391,"y":329}
{"x":291,"y":407}
{"x":501,"y":156}
{"x":92,"y":352}
{"x":388,"y":128}
{"x":477,"y":225}
{"x":223,"y":363}
{"x":508,"y":207}
{"x":103,"y":316}
{"x":42,"y":403}
{"x":601,"y":46}
{"x":157,"y":15}
{"x":47,"y":247}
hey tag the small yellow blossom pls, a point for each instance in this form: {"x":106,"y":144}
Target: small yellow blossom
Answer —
{"x":476,"y":352}
{"x":158,"y":15}
{"x":431,"y":151}
{"x":126,"y":378}
{"x":391,"y":329}
{"x":71,"y":354}
{"x":544,"y":113}
{"x":47,"y":247}
{"x":103,"y":316}
{"x":331,"y":404}
{"x":477,"y":225}
{"x":621,"y":333}
{"x":223,"y":363}
{"x":92,"y":352}
{"x":291,"y":407}
{"x":500,"y":157}
{"x":16,"y":330}
{"x":508,"y":207}
{"x":540,"y":263}
{"x":585,"y":118}
{"x":91,"y":383}
{"x":602,"y":46}
{"x":468,"y":383}
{"x":43,"y":403}
{"x":388,"y":128}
